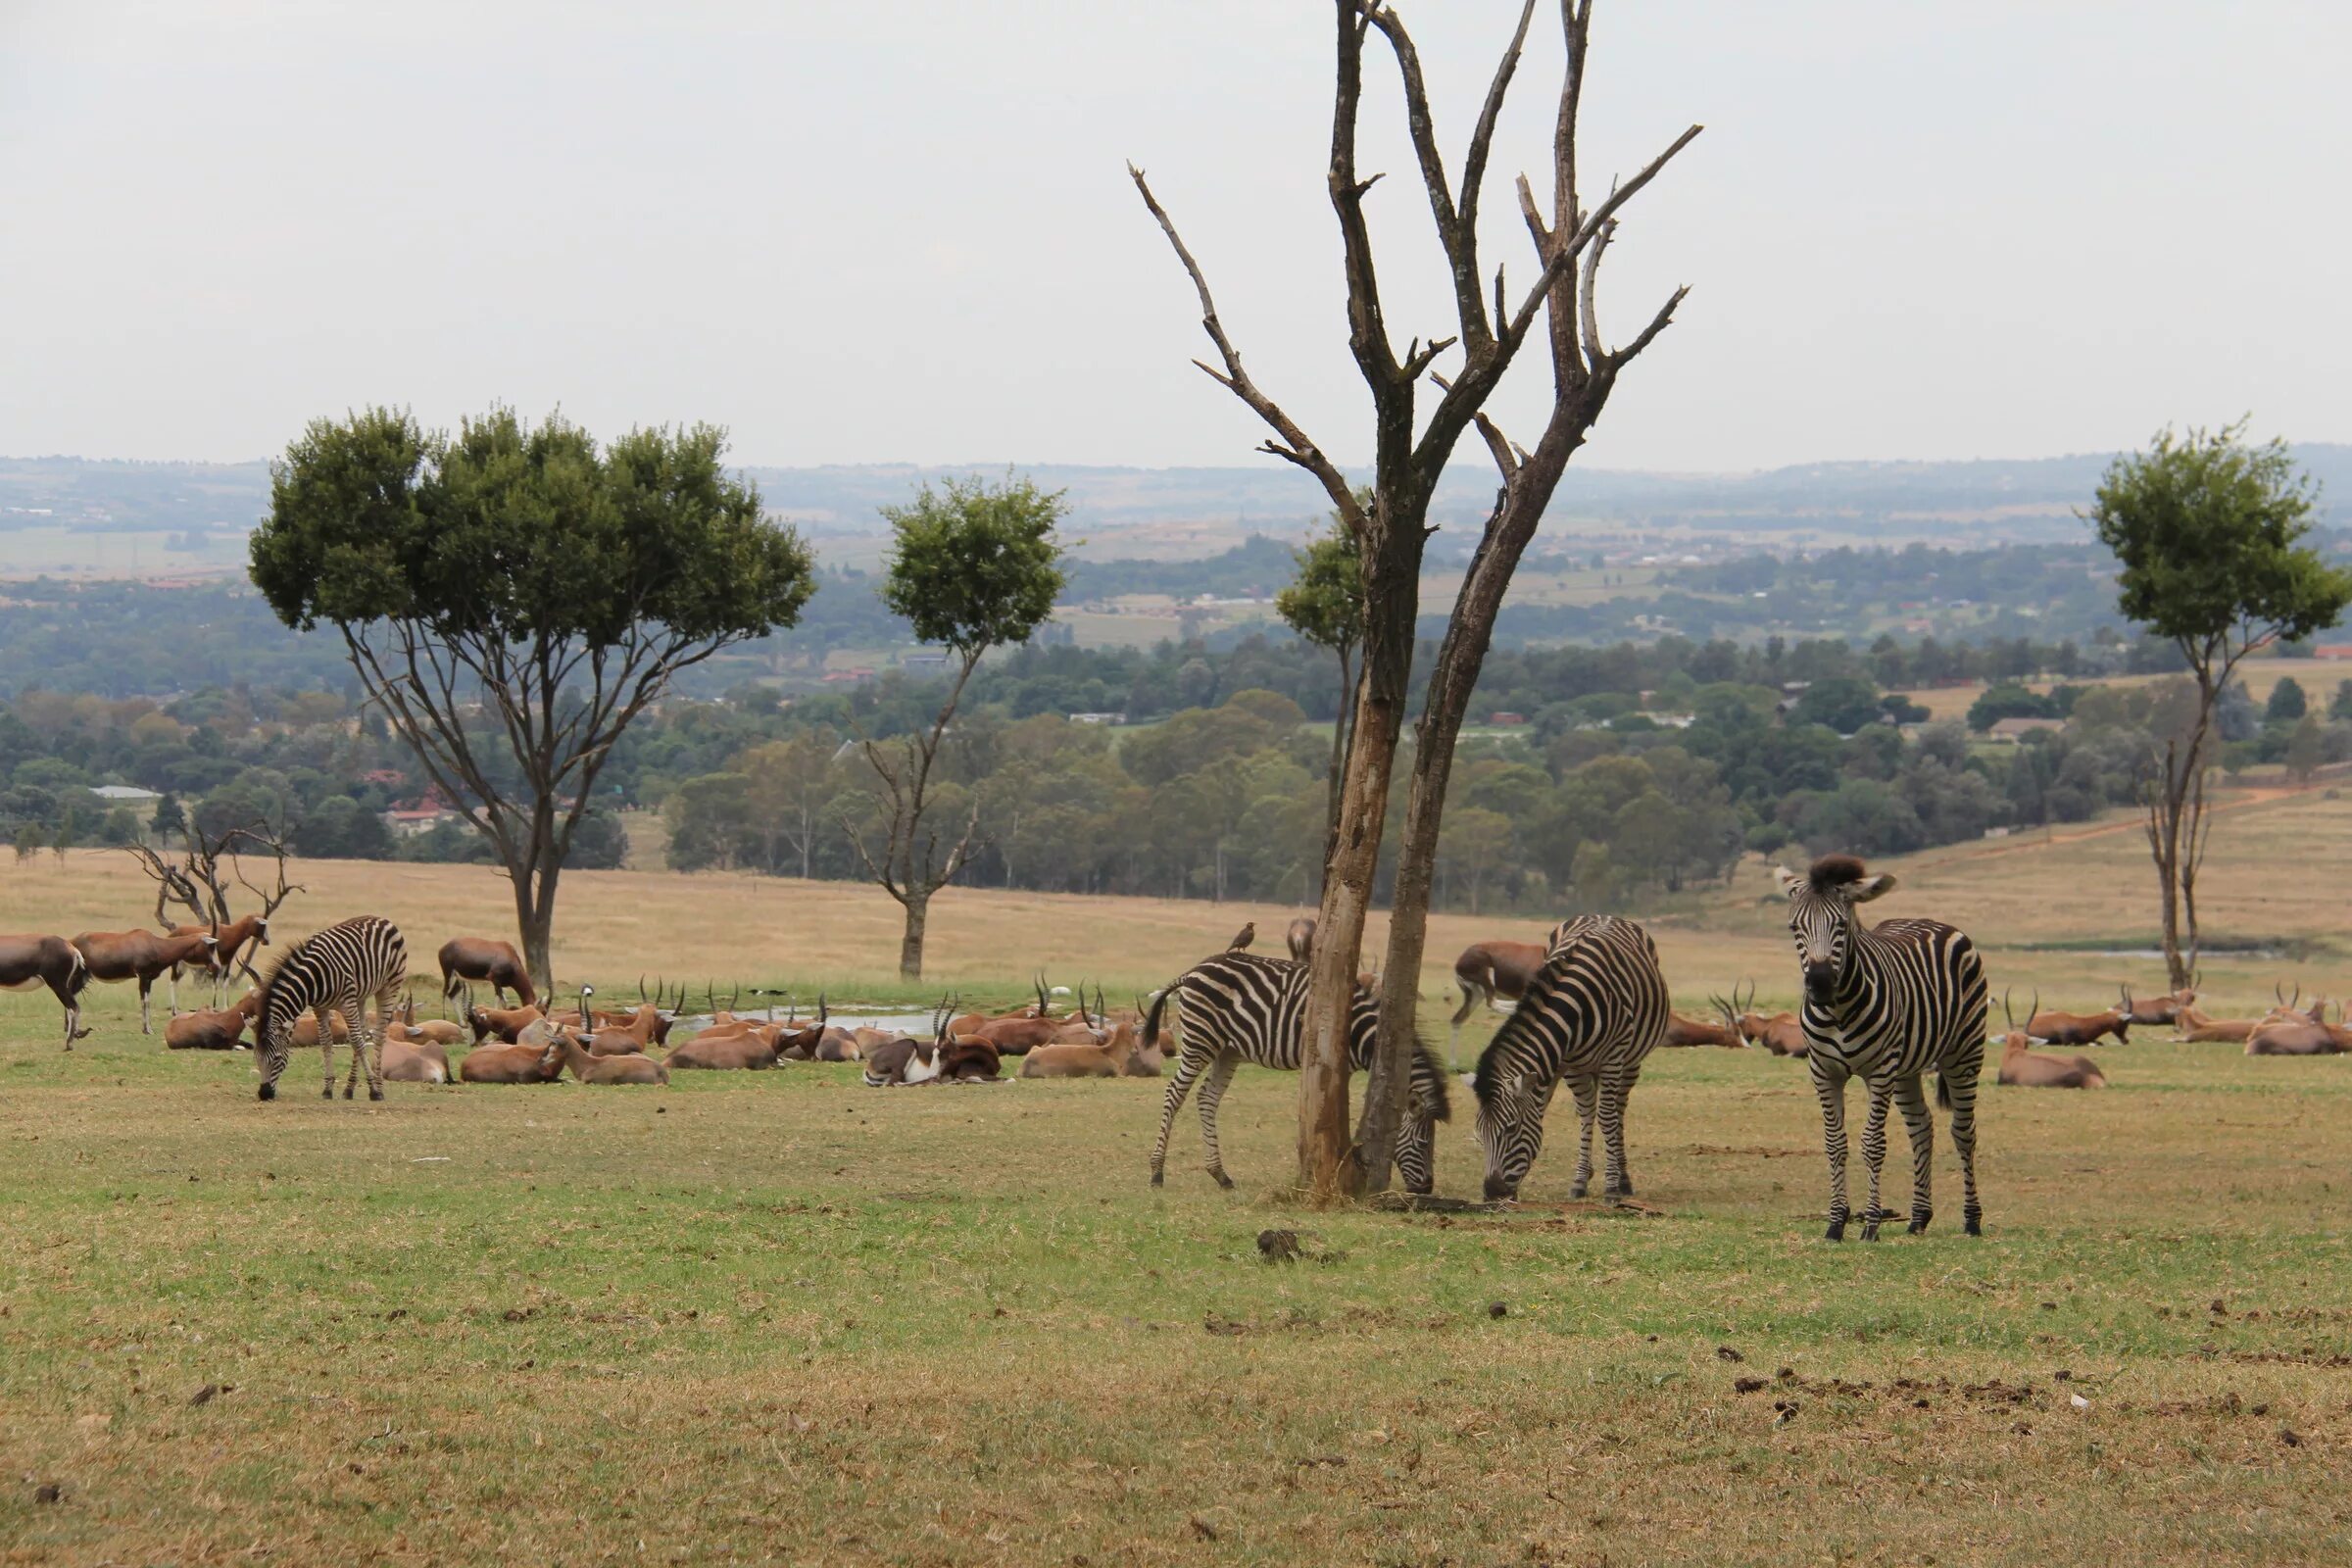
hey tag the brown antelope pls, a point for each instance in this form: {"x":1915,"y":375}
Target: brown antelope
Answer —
{"x":230,"y":954}
{"x":643,"y":1028}
{"x":141,"y":956}
{"x":565,"y":1051}
{"x":754,"y":1047}
{"x":52,"y":962}
{"x":1300,"y":938}
{"x":1485,"y":971}
{"x":902,"y":1063}
{"x":2195,"y":1027}
{"x":508,"y":1064}
{"x":2028,"y":1069}
{"x":464,"y":960}
{"x":1071,"y":1059}
{"x":1682,"y":1031}
{"x":2158,"y":1009}
{"x":2287,"y":1031}
{"x":306,"y":1029}
{"x":216,"y":1029}
{"x":1780,"y":1033}
{"x":507,"y":1023}
{"x":415,"y":1060}
{"x":2081,"y":1028}
{"x":969,"y":1061}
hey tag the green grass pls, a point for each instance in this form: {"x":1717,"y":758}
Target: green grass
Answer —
{"x":779,"y":1316}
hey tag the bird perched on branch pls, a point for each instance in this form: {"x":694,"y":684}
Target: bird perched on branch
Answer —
{"x":1242,"y":938}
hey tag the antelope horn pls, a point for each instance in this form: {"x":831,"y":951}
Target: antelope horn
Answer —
{"x":821,"y":1014}
{"x":641,"y":985}
{"x":2032,"y":1008}
{"x":2006,"y":1014}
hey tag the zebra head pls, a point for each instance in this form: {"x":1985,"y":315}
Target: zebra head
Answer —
{"x":1821,"y":916}
{"x":1513,"y":1092}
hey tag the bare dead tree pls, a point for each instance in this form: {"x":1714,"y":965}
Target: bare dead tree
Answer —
{"x":197,"y":883}
{"x":1584,"y":373}
{"x":1409,"y":454}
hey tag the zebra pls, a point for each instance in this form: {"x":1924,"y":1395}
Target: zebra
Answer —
{"x":1591,"y":1016}
{"x":1239,"y":1006}
{"x":1886,"y":1005}
{"x":342,"y":967}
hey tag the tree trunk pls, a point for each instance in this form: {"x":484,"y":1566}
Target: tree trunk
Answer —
{"x":911,"y":946}
{"x":535,"y":919}
{"x":1339,"y":756}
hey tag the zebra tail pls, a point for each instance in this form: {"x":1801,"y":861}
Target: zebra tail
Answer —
{"x":1151,"y":1018}
{"x":1943,"y":1090}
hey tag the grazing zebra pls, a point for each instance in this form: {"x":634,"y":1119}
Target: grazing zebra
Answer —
{"x":1886,"y":1006}
{"x":1590,"y":1015}
{"x":339,"y":968}
{"x":1239,"y":1007}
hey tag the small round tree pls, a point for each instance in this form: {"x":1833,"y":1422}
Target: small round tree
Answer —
{"x":513,"y":596}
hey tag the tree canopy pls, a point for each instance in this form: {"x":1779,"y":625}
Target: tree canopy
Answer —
{"x":975,"y":565}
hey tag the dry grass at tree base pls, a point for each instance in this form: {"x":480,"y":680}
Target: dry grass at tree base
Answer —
{"x":778,"y":1316}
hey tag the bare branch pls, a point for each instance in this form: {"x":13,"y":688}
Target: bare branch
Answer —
{"x":1295,"y":446}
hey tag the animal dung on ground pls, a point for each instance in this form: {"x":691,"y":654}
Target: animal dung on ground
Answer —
{"x":1278,"y":1247}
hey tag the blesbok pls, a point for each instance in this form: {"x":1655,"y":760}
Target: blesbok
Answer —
{"x":1780,"y":1033}
{"x":2081,"y":1028}
{"x":1485,"y":971}
{"x":415,"y":1060}
{"x":1683,"y":1031}
{"x":2196,"y":1028}
{"x":2287,"y":1031}
{"x":1070,"y":1060}
{"x":26,"y":961}
{"x":2165,"y":1008}
{"x":1300,"y":938}
{"x":507,"y":1023}
{"x":629,"y":1038}
{"x":306,"y":1029}
{"x":965,"y":1023}
{"x":754,"y":1047}
{"x":969,"y":1061}
{"x":508,"y":1064}
{"x":2028,"y":1069}
{"x":902,"y":1062}
{"x":565,"y":1051}
{"x":140,"y":955}
{"x":496,"y":963}
{"x":197,"y":883}
{"x":213,"y":1029}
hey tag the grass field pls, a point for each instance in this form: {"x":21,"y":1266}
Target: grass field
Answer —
{"x":780,"y":1317}
{"x":2319,"y":679}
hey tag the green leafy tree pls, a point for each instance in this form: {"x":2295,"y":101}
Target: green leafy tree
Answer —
{"x":972,"y":566}
{"x":2288,"y":703}
{"x":170,"y":817}
{"x":2209,"y":532}
{"x":1324,"y":605}
{"x":514,"y":596}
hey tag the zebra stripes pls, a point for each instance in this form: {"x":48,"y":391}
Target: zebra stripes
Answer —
{"x":1239,"y":1008}
{"x":1887,"y":1006}
{"x":342,"y":967}
{"x":1590,"y":1017}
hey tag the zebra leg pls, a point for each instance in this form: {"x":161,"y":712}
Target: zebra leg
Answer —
{"x":1587,"y":1093}
{"x":375,"y":1061}
{"x":1212,"y":1090}
{"x":1922,"y":1127}
{"x":1188,"y":1066}
{"x":1873,"y":1151}
{"x":326,"y":1047}
{"x":1828,"y":1085}
{"x":1615,"y":1090}
{"x":1961,"y":1087}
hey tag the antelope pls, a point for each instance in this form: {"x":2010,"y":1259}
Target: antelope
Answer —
{"x":505,"y":1022}
{"x":239,"y":939}
{"x":565,"y":1051}
{"x":229,"y":957}
{"x":306,"y":1029}
{"x":2027,"y":1069}
{"x":2196,"y":1028}
{"x":464,"y":960}
{"x":219,"y":1029}
{"x":141,"y":956}
{"x":508,"y":1064}
{"x":1064,"y":1059}
{"x":965,"y":1023}
{"x":969,"y":1061}
{"x":1780,"y":1033}
{"x":1487,"y":971}
{"x":2287,"y":1031}
{"x":440,"y":1031}
{"x":2158,"y":1009}
{"x":756,"y":1046}
{"x":2081,"y":1028}
{"x":628,"y":1039}
{"x":52,"y":962}
{"x":1682,"y":1031}
{"x":1300,"y":938}
{"x":415,"y":1060}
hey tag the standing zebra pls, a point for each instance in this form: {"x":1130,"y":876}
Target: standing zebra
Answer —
{"x":1591,"y":1016}
{"x":1239,"y":1007}
{"x":1887,"y":1004}
{"x":340,"y":967}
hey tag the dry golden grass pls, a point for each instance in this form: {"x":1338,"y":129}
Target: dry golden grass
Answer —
{"x":2319,"y":679}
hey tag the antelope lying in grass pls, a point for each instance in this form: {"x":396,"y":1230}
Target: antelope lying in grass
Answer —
{"x":415,"y":1060}
{"x":2165,"y":1008}
{"x":506,"y":1024}
{"x":1682,"y":1031}
{"x":210,"y":1029}
{"x":2195,"y":1027}
{"x":2028,"y":1069}
{"x":508,"y":1064}
{"x":589,"y":1067}
{"x":2083,"y":1028}
{"x":2290,"y":1032}
{"x":1780,"y":1033}
{"x":1112,"y":1058}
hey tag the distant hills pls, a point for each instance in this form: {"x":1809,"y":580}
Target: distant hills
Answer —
{"x":1190,"y":513}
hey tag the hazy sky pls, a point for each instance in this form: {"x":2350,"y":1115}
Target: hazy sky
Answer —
{"x":897,"y":229}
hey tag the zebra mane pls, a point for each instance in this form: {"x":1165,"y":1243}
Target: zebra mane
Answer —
{"x":1835,"y":872}
{"x":271,"y":974}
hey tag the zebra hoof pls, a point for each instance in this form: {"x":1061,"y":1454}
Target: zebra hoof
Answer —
{"x":1973,"y":1225}
{"x":1577,"y":1191}
{"x":1223,"y":1180}
{"x":1158,"y":1180}
{"x":375,"y":1094}
{"x":1627,"y":1191}
{"x":1870,"y":1229}
{"x":268,"y":1091}
{"x":1919,"y":1223}
{"x":1837,"y":1229}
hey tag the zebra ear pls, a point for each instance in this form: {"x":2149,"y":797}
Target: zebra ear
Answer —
{"x":1872,"y":887}
{"x":1786,"y":880}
